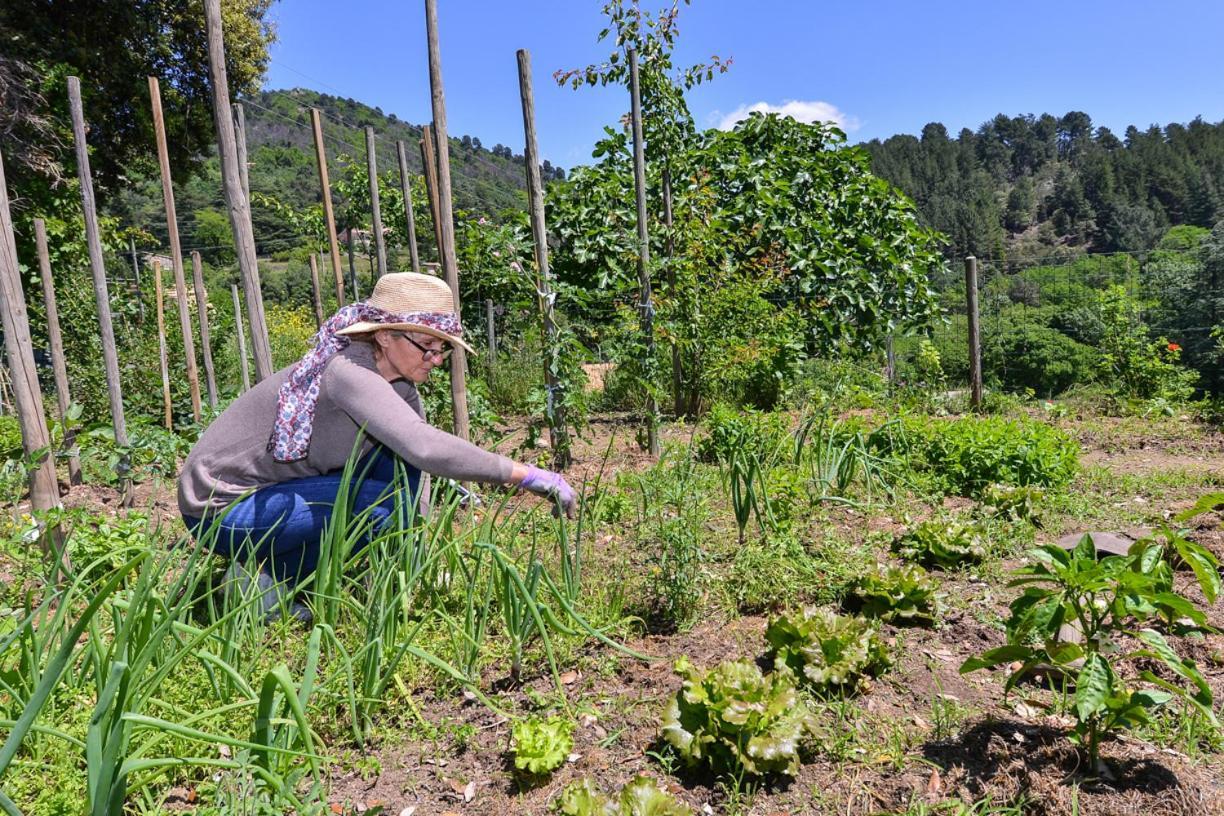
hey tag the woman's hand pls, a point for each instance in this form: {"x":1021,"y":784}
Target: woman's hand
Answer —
{"x":547,"y":483}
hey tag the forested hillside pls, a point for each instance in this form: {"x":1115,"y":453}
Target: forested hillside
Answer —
{"x":1029,"y":185}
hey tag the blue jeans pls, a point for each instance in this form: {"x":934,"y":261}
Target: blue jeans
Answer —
{"x":280,"y":525}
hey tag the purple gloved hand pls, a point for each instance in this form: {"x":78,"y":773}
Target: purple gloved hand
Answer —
{"x":553,"y":485}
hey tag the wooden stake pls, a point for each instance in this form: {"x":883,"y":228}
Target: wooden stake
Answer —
{"x":380,"y":247}
{"x":63,"y":394}
{"x":240,"y":333}
{"x":975,"y":338}
{"x":27,"y":396}
{"x":644,"y":305}
{"x":176,"y":252}
{"x":244,"y":163}
{"x":450,"y":265}
{"x":678,"y":397}
{"x":491,"y":332}
{"x":235,"y":195}
{"x":431,"y":185}
{"x":406,"y":189}
{"x":197,"y":274}
{"x":329,"y":214}
{"x":136,"y":280}
{"x":162,"y":360}
{"x":93,"y":238}
{"x":554,"y":409}
{"x":353,"y":267}
{"x":314,"y":288}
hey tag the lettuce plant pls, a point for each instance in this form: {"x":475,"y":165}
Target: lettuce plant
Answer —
{"x":905,"y":593}
{"x":733,"y":720}
{"x":827,"y":650}
{"x":541,"y":746}
{"x":1015,"y":503}
{"x":943,"y":543}
{"x":640,"y":797}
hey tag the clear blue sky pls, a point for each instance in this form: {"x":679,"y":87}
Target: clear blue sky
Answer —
{"x":882,"y":67}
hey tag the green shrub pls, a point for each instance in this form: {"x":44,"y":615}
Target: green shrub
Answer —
{"x":727,"y":430}
{"x":906,"y":594}
{"x":943,"y":543}
{"x":1134,"y":364}
{"x":10,"y":437}
{"x":830,"y":651}
{"x":639,"y":797}
{"x":967,"y":454}
{"x":732,"y":720}
{"x":541,"y":746}
{"x":1035,"y":357}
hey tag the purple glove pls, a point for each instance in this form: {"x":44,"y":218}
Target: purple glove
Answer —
{"x":553,"y":485}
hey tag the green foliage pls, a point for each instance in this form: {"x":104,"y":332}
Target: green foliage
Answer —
{"x":831,"y":652}
{"x":539,"y":745}
{"x":672,"y":513}
{"x":290,"y":332}
{"x":1025,"y":355}
{"x":732,"y":720}
{"x":1015,"y":502}
{"x":641,"y":796}
{"x":945,"y":543}
{"x":1135,"y":365}
{"x":727,"y":430}
{"x":10,"y":437}
{"x":967,"y":454}
{"x":905,"y":594}
{"x":1106,"y":599}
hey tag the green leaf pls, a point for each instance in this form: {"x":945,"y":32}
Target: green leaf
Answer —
{"x":1204,"y":505}
{"x":1205,"y":565}
{"x":1094,"y":684}
{"x":541,"y":746}
{"x":995,"y":657}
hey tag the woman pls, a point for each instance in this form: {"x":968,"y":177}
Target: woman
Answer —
{"x":268,"y":470}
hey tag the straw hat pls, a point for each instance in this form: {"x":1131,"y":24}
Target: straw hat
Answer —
{"x":422,"y":299}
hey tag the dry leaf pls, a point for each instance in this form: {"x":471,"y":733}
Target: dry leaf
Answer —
{"x":337,"y":808}
{"x":573,"y":757}
{"x":469,"y":792}
{"x":1025,"y":710}
{"x":224,"y":751}
{"x":408,"y":811}
{"x":569,"y":678}
{"x":934,"y":783}
{"x":921,"y":723}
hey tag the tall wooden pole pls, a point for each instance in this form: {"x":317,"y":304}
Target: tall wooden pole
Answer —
{"x":240,"y":333}
{"x":490,"y":332}
{"x":244,"y":163}
{"x":406,"y":189}
{"x":93,"y":238}
{"x":176,"y":252}
{"x":450,"y":267}
{"x":235,"y":195}
{"x":380,"y":246}
{"x":678,"y":400}
{"x":975,"y":337}
{"x":44,"y":489}
{"x":554,"y":407}
{"x":314,"y":289}
{"x":644,"y":305}
{"x":63,"y":394}
{"x":197,"y":275}
{"x":431,"y":184}
{"x":162,"y":360}
{"x":353,"y":266}
{"x":136,"y":279}
{"x":329,"y":214}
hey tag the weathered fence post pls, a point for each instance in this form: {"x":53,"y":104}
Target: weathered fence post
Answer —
{"x":975,"y":338}
{"x":554,"y":406}
{"x":329,"y":214}
{"x":235,"y":195}
{"x":406,"y":187}
{"x":136,"y":279}
{"x":197,"y":274}
{"x":644,"y":304}
{"x":431,"y":184}
{"x":490,"y":332}
{"x":680,"y":404}
{"x":59,"y":366}
{"x":314,"y":288}
{"x":176,"y":252}
{"x":375,"y":210}
{"x":244,"y":166}
{"x":450,"y":266}
{"x":44,"y":489}
{"x":890,"y":360}
{"x":97,"y":265}
{"x":353,"y":267}
{"x":162,"y":357}
{"x":240,"y":333}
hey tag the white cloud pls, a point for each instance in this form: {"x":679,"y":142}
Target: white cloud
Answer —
{"x":798,"y":109}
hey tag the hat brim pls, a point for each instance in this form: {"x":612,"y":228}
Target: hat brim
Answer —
{"x":364,"y":327}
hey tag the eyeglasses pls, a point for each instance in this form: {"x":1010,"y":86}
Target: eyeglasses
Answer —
{"x":439,"y":354}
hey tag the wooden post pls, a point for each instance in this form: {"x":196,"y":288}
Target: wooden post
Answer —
{"x":490,"y":332}
{"x":975,"y":338}
{"x":406,"y":188}
{"x":554,"y":406}
{"x":431,"y":184}
{"x":314,"y":288}
{"x":679,"y":403}
{"x":380,"y":247}
{"x":93,"y":238}
{"x":450,"y":266}
{"x":162,"y":360}
{"x":644,"y":305}
{"x":329,"y":214}
{"x":890,"y":360}
{"x":353,"y":267}
{"x":240,"y":333}
{"x":235,"y":195}
{"x":136,"y":279}
{"x":63,"y":394}
{"x":197,"y":274}
{"x":244,"y":163}
{"x":44,"y":489}
{"x":176,"y":252}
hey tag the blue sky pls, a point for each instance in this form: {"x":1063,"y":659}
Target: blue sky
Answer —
{"x":879,"y":67}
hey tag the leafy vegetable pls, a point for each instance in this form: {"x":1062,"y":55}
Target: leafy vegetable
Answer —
{"x":540,"y":746}
{"x":943,"y":543}
{"x":826,"y":649}
{"x":1015,"y":502}
{"x":640,"y":797}
{"x":905,"y":593}
{"x":734,"y":720}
